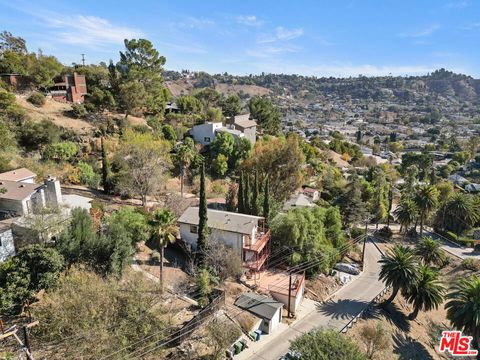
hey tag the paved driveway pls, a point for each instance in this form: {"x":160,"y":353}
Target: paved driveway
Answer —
{"x":335,"y":314}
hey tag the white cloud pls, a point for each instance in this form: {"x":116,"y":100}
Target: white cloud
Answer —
{"x":191,"y":22}
{"x":270,"y":51}
{"x":281,"y":34}
{"x":421,"y":33}
{"x":249,"y":20}
{"x":90,"y":30}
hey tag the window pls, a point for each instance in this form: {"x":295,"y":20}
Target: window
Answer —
{"x":206,"y":139}
{"x":193,"y":229}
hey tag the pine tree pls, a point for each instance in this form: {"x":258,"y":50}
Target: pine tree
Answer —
{"x":254,"y":210}
{"x":241,"y":191}
{"x":266,"y":201}
{"x":106,"y":173}
{"x":202,"y":242}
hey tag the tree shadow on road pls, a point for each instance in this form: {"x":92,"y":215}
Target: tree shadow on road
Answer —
{"x":341,"y":309}
{"x":409,"y":349}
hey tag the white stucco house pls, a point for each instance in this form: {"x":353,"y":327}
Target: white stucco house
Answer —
{"x":239,"y":128}
{"x":22,"y":202}
{"x":246,"y":234}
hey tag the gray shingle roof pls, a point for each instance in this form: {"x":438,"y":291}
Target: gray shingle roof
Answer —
{"x":262,"y":306}
{"x":17,"y":190}
{"x":222,"y":220}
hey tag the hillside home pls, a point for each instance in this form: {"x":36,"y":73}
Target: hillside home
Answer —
{"x":299,"y":200}
{"x":246,"y":125}
{"x":70,"y":88}
{"x":246,"y":234}
{"x":206,"y":133}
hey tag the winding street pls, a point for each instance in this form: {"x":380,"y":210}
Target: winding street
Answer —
{"x":335,"y":313}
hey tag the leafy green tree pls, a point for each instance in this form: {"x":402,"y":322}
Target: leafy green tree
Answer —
{"x":231,"y":105}
{"x":35,"y":135}
{"x":165,"y":232}
{"x":35,"y":267}
{"x":202,"y":242}
{"x":75,"y":243}
{"x":143,"y":161}
{"x":305,"y":230}
{"x":223,"y":144}
{"x":399,"y":270}
{"x":133,"y":97}
{"x":208,"y":97}
{"x":214,"y":114}
{"x":266,"y":114}
{"x":463,"y":307}
{"x":426,"y":200}
{"x":426,"y":293}
{"x":430,"y":251}
{"x":241,"y":150}
{"x":354,"y":209}
{"x":325,"y":344}
{"x":220,"y":165}
{"x":141,"y":63}
{"x":204,"y":286}
{"x":134,"y":221}
{"x":169,"y":133}
{"x":406,"y":213}
{"x":189,"y":105}
{"x":9,"y":42}
{"x":282,"y":159}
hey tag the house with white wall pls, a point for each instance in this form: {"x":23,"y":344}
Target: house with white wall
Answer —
{"x":206,"y":133}
{"x":294,"y":289}
{"x":246,"y":234}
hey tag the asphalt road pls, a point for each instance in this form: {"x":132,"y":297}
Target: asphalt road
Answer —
{"x":334,"y":314}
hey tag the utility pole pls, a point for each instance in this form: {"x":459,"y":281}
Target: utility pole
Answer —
{"x":83,"y":59}
{"x":289,"y":292}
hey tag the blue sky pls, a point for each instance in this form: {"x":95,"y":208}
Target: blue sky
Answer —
{"x":322,"y":38}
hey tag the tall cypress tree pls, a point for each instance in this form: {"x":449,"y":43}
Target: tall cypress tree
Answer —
{"x":241,"y":199}
{"x":202,"y":242}
{"x":266,"y":200}
{"x":247,"y":198}
{"x":106,"y":172}
{"x":254,"y":210}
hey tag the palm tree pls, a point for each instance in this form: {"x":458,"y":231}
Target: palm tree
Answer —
{"x":430,"y":251}
{"x":426,"y":293}
{"x":399,"y":270}
{"x":406,"y":213}
{"x":463,"y":308}
{"x":426,"y":200}
{"x":165,"y":232}
{"x":459,"y":213}
{"x":185,"y":156}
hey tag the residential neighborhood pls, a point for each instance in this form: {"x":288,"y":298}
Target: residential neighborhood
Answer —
{"x":239,"y":181}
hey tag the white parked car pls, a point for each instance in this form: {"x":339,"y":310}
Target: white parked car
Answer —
{"x":348,"y":268}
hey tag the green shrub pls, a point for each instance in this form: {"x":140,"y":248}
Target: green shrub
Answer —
{"x":37,"y":99}
{"x":88,"y":176}
{"x":63,"y":151}
{"x":79,"y":111}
